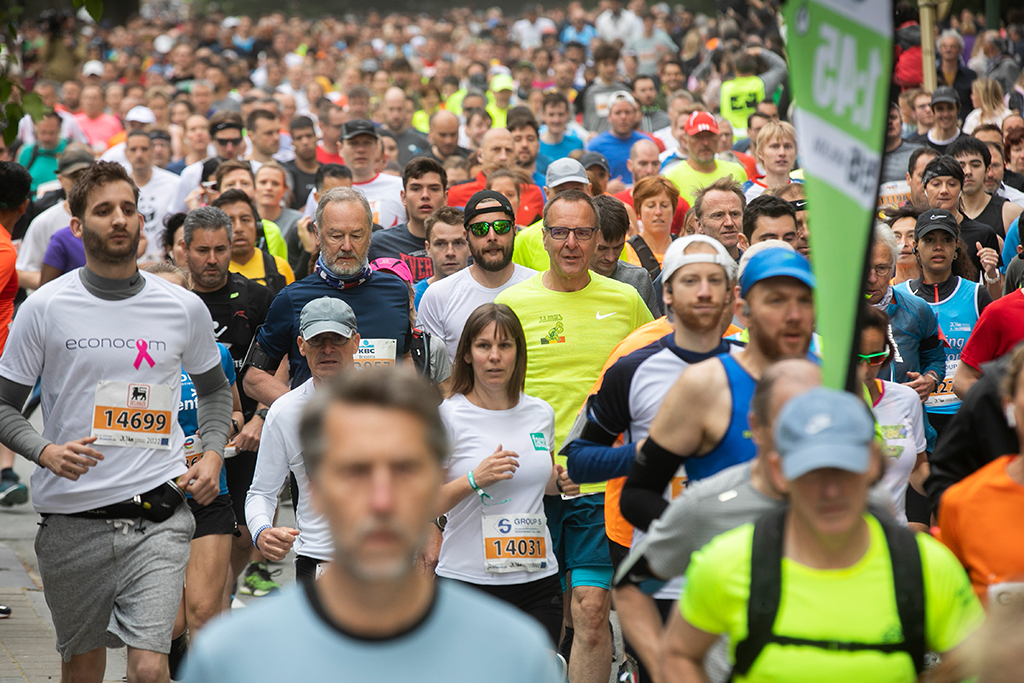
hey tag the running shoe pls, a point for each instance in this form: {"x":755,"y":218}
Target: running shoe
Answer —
{"x":258,"y":580}
{"x":12,"y":491}
{"x":5,"y":611}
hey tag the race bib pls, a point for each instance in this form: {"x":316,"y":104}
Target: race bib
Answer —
{"x":376,"y":352}
{"x":943,"y":394}
{"x":132,"y":415}
{"x":514,"y":543}
{"x":193,"y":449}
{"x":601,"y":104}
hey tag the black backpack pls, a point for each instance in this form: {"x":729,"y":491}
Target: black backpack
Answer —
{"x":766,"y":591}
{"x":419,"y":347}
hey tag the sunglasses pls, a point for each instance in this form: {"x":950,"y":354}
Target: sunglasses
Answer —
{"x":873,"y":359}
{"x":582,"y":234}
{"x":500,"y":227}
{"x":228,"y":141}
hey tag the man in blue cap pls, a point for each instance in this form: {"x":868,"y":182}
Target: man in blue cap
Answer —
{"x":702,"y":423}
{"x":864,"y":599}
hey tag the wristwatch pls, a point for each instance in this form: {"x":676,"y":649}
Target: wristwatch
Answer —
{"x":262,"y":413}
{"x":235,"y":427}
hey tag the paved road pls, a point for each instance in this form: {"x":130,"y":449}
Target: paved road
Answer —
{"x":26,"y":639}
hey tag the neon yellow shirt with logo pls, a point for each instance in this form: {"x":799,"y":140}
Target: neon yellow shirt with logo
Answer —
{"x":689,"y":181}
{"x":569,"y":336}
{"x":739,"y":99}
{"x":856,"y":604}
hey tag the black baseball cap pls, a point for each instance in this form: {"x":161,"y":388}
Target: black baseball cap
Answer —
{"x":589,"y":159}
{"x":936,"y":219}
{"x":358,"y":127}
{"x":472,"y":211}
{"x":945,"y":93}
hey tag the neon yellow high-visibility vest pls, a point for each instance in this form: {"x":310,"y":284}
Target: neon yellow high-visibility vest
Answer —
{"x":739,"y":100}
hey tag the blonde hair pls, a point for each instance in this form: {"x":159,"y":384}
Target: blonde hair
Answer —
{"x":990,"y":97}
{"x":773,"y":130}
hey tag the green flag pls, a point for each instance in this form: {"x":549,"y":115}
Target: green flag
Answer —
{"x":840,"y":55}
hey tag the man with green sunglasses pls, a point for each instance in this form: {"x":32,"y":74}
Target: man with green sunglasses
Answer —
{"x":490,"y":231}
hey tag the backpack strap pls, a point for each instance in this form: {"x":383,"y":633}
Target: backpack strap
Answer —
{"x":647,"y":258}
{"x":420,"y":351}
{"x":275,"y":280}
{"x":765,"y":589}
{"x":908,"y":581}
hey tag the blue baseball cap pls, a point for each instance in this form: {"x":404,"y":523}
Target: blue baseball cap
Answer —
{"x":824,"y":428}
{"x":775,"y":263}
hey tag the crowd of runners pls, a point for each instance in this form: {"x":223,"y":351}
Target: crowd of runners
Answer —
{"x":517,"y":314}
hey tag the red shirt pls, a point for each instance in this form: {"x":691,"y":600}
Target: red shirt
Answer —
{"x":325,"y":157}
{"x":8,"y":284}
{"x":997,"y":331}
{"x":749,"y":164}
{"x":531,"y":201}
{"x":678,"y":219}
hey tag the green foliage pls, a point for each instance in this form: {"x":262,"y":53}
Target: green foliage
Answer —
{"x":15,"y":102}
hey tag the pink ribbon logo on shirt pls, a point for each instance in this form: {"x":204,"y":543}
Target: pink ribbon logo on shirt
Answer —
{"x":141,"y":345}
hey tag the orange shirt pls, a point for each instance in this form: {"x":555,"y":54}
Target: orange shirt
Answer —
{"x":982,"y":521}
{"x":8,"y":284}
{"x":616,"y":527}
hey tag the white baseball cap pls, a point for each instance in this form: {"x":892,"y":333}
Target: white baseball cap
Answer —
{"x":93,"y":67}
{"x":675,"y":258}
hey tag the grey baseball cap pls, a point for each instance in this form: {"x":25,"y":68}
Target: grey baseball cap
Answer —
{"x":562,"y":171}
{"x":327,"y":314}
{"x":824,"y":428}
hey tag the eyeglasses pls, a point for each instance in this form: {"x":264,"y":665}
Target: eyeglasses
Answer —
{"x":501,"y":226}
{"x":873,"y":359}
{"x":582,"y":234}
{"x":881,"y":270}
{"x":228,"y":141}
{"x":321,"y":339}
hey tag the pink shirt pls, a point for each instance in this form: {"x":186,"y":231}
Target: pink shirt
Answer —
{"x":99,"y":130}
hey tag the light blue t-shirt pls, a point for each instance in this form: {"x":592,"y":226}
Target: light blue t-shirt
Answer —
{"x":465,"y":636}
{"x":570,"y":143}
{"x":419,"y":288}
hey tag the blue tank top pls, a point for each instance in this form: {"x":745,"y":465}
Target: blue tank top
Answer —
{"x":188,"y":414}
{"x":957,"y":314}
{"x":736,"y":445}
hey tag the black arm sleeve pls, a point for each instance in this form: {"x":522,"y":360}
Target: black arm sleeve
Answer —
{"x":15,"y":431}
{"x":977,"y":435}
{"x":642,"y":500}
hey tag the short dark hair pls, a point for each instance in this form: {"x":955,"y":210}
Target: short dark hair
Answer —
{"x":507,"y":322}
{"x":644,"y":77}
{"x":300,"y":123}
{"x":573,"y":197}
{"x":258,"y":115}
{"x":358,"y":92}
{"x":470,"y":114}
{"x":136,"y":133}
{"x":233,"y":165}
{"x":330,"y":171}
{"x":987,"y":128}
{"x":966,"y":145}
{"x":606,"y":52}
{"x":395,"y":388}
{"x":891,"y":214}
{"x":614,"y":218}
{"x":236,"y":196}
{"x":765,"y":206}
{"x":757,"y":115}
{"x":421,"y":166}
{"x":448,"y":215}
{"x":917,"y":154}
{"x":745,"y":63}
{"x":171,"y":225}
{"x":51,"y":114}
{"x":553,"y":98}
{"x":521,"y":117}
{"x":99,"y":174}
{"x":15,"y":185}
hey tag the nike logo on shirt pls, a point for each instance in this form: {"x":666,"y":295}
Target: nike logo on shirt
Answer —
{"x":606,"y":315}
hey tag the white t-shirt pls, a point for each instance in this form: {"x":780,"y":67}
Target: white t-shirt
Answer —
{"x":901,"y":420}
{"x":153,"y":207}
{"x":281,"y":452}
{"x":448,"y":303}
{"x":117,"y":153}
{"x":76,"y":341}
{"x":384,"y":195}
{"x":190,"y":178}
{"x":475,"y":433}
{"x":37,"y":238}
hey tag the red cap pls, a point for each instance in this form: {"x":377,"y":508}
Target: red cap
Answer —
{"x":699,"y":122}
